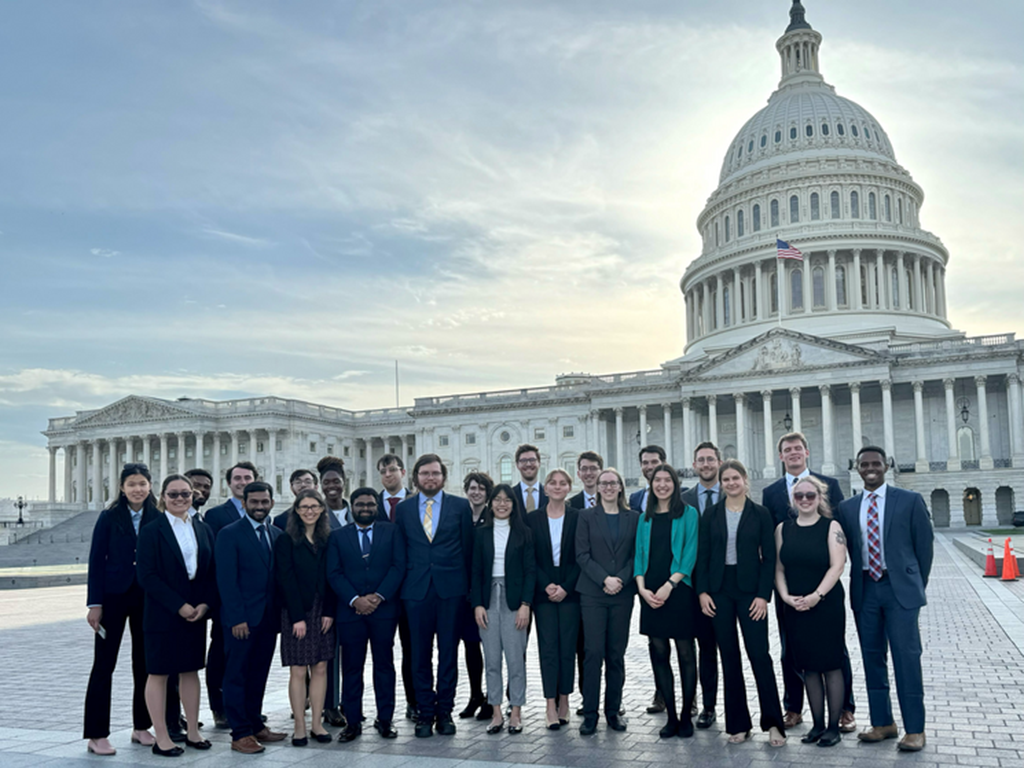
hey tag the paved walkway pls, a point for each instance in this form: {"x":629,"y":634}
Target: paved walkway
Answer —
{"x":974,"y":668}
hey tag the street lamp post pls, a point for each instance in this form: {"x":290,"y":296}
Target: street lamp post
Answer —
{"x":20,"y":504}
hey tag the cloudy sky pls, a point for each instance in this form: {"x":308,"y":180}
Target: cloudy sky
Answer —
{"x":221,"y":198}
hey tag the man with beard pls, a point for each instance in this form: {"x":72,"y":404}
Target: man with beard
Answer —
{"x":438,"y":533}
{"x":365,"y":567}
{"x":202,"y":485}
{"x":529,"y":490}
{"x":249,"y":615}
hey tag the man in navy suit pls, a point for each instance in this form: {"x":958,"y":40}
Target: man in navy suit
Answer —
{"x":245,"y":580}
{"x":238,"y":476}
{"x":299,"y":481}
{"x":890,"y":540}
{"x":365,"y":566}
{"x":794,"y":455}
{"x":588,"y":466}
{"x":438,"y":533}
{"x":529,"y":490}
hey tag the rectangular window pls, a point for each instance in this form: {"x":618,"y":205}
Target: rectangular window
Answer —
{"x":330,"y":449}
{"x":312,"y":446}
{"x":568,"y":432}
{"x":207,"y":451}
{"x":362,"y":453}
{"x":277,"y":482}
{"x":278,"y":445}
{"x":243,"y":448}
{"x":223,"y":449}
{"x":538,"y":433}
{"x":189,"y":453}
{"x":442,"y":441}
{"x":345,"y":450}
{"x":471,"y":438}
{"x":259,"y":446}
{"x":172,"y":453}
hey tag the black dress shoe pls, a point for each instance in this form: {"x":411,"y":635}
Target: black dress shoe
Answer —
{"x":471,"y":708}
{"x":622,"y":711}
{"x":615,"y":722}
{"x":323,"y":738}
{"x":579,"y":711}
{"x":300,"y":742}
{"x":493,"y":729}
{"x":203,"y":744}
{"x":686,"y":728}
{"x":424,"y":729}
{"x":486,"y":712}
{"x":177,"y":735}
{"x":812,"y":736}
{"x":589,"y":725}
{"x":514,"y":729}
{"x":351,"y":733}
{"x":385,"y":729}
{"x":220,"y":722}
{"x":334,"y":717}
{"x":830,"y":738}
{"x":412,"y":713}
{"x":657,"y":704}
{"x":174,"y":751}
{"x":706,"y":719}
{"x":669,"y":729}
{"x":445,"y":725}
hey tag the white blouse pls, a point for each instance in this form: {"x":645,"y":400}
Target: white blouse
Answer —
{"x":185,"y":533}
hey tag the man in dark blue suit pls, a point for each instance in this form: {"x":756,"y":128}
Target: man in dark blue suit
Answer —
{"x":529,"y":490}
{"x":890,"y":540}
{"x":238,"y":476}
{"x":794,"y":455}
{"x":365,"y":567}
{"x":245,"y":580}
{"x":438,"y":533}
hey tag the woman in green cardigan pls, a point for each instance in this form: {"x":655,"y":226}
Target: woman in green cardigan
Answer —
{"x":666,"y":553}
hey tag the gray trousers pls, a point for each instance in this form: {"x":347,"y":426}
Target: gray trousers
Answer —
{"x":502,"y":637}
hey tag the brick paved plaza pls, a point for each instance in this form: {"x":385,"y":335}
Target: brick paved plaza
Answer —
{"x":973,"y":631}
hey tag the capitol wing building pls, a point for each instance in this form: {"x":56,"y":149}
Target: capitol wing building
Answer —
{"x":850,"y":345}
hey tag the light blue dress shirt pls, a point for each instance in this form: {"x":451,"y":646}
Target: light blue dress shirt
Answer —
{"x":435,"y":512}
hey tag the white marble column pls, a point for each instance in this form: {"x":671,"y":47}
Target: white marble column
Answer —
{"x":555,"y":449}
{"x":619,"y":449}
{"x":235,"y":435}
{"x":115,"y":470}
{"x":666,"y":417}
{"x":180,"y":452}
{"x":740,"y":402}
{"x":807,"y":283}
{"x":68,"y":479}
{"x":369,"y":455}
{"x":830,"y":281}
{"x":853,"y":301}
{"x":887,"y":425}
{"x":930,"y":290}
{"x":769,"y":437}
{"x":82,"y":457}
{"x":782,"y":290}
{"x":794,"y":401}
{"x":215,"y":491}
{"x":828,"y":439}
{"x":719,"y":303}
{"x":856,"y":430}
{"x":1016,"y":438}
{"x":952,"y":449}
{"x":986,"y":445}
{"x":713,"y":418}
{"x":271,"y":461}
{"x":198,"y":459}
{"x":706,"y":313}
{"x":147,"y":451}
{"x":97,"y":475}
{"x":405,"y":447}
{"x":642,"y":411}
{"x":921,"y":465}
{"x":687,"y":430}
{"x":901,"y":280}
{"x":734,"y":298}
{"x":880,"y":279}
{"x":602,"y":437}
{"x":165,"y":461}
{"x":52,"y":495}
{"x":758,"y":294}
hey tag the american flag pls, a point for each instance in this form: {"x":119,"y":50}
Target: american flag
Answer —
{"x":787,"y":251}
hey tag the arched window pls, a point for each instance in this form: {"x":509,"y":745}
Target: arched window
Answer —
{"x":743,"y":300}
{"x":910,"y":290}
{"x":834,"y":204}
{"x":854,"y":205}
{"x":872,"y":207}
{"x":965,"y":443}
{"x":727,"y":305}
{"x":796,"y":289}
{"x":778,"y":136}
{"x":750,"y":147}
{"x":840,"y":130}
{"x":775,"y":213}
{"x":764,"y":140}
{"x":794,"y":209}
{"x":714,"y":312}
{"x":739,"y":152}
{"x":505,"y":469}
{"x":815,"y":206}
{"x":792,"y":133}
{"x":864,"y":288}
{"x":774,"y":290}
{"x":841,"y":286}
{"x":888,"y":208}
{"x":756,"y":222}
{"x":728,"y":229}
{"x":824,"y":129}
{"x":809,"y":130}
{"x":739,"y":223}
{"x":853,"y":130}
{"x":899,"y":209}
{"x":895,"y":288}
{"x":818,"y":284}
{"x":867,"y":133}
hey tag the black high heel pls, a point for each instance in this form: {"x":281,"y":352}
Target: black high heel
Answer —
{"x":471,"y":708}
{"x":493,"y":729}
{"x":812,"y":736}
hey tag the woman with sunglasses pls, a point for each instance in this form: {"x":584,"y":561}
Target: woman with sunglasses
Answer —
{"x":811,"y":557}
{"x":307,"y":618}
{"x":115,"y":598}
{"x":176,"y":572}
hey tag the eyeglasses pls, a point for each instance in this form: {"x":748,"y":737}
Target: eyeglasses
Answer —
{"x":365,"y":505}
{"x":178,"y":494}
{"x":429,"y":474}
{"x":609,"y":484}
{"x":528,"y":461}
{"x":500,"y":500}
{"x":801,"y":496}
{"x":310,"y":507}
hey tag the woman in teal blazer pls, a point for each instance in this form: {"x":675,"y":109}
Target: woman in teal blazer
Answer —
{"x":666,"y":554}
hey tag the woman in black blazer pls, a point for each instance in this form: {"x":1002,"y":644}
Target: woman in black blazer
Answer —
{"x":115,"y":598}
{"x":501,"y":592}
{"x":176,"y":572}
{"x":556,"y":603}
{"x":735,"y":572}
{"x":605,"y":543}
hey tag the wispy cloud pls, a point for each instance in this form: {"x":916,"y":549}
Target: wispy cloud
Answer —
{"x":234,"y":237}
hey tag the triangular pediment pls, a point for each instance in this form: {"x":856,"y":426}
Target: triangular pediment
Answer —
{"x":783,"y":350}
{"x":134,"y":409}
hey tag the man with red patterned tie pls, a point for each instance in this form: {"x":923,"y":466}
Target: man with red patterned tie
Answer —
{"x":890,"y":541}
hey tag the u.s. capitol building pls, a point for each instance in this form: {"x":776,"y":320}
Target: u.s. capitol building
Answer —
{"x":851,"y":345}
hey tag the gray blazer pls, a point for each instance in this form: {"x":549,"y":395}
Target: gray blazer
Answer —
{"x":599,"y":557}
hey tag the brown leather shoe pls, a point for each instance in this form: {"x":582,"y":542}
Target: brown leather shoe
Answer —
{"x":792,"y":718}
{"x":911,"y":742}
{"x":247,"y":745}
{"x":879,"y":733}
{"x":267,"y":735}
{"x":847,"y":722}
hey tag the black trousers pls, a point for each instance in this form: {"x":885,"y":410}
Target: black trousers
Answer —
{"x":708,"y":661}
{"x":435,"y":616}
{"x":118,"y":610}
{"x":247,"y":664}
{"x":380,"y":634}
{"x":405,"y":638}
{"x":732,"y":606}
{"x":606,"y":620}
{"x":215,"y":666}
{"x":558,"y":627}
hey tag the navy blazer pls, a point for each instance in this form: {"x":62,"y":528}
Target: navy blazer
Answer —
{"x":907,"y":541}
{"x":351,"y":575}
{"x":245,"y":575}
{"x":447,"y":560}
{"x":567,"y":573}
{"x":775,"y":497}
{"x":382,"y":509}
{"x":112,"y":551}
{"x":579,"y":501}
{"x":599,"y":557}
{"x":542,"y":498}
{"x":221,"y":516}
{"x":164,"y":577}
{"x":755,"y":550}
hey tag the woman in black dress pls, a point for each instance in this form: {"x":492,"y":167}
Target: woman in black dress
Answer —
{"x":811,"y":557}
{"x":176,"y":572}
{"x":307,"y":620}
{"x":666,"y":554}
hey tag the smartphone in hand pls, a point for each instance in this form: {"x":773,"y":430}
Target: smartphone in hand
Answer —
{"x":102,"y":632}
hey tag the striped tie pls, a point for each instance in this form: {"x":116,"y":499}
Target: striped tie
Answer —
{"x":874,"y":539}
{"x":428,"y":520}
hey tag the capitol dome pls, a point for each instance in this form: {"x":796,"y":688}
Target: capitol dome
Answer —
{"x":817,"y":171}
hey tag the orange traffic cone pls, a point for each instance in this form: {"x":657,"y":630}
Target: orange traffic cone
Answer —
{"x":1009,"y":562}
{"x":1013,"y":561}
{"x":990,"y":563}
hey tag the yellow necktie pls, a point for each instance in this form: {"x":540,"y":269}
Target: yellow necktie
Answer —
{"x":428,"y":520}
{"x":530,"y":505}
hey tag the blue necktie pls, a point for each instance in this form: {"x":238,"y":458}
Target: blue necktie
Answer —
{"x":366,"y":541}
{"x":263,"y":536}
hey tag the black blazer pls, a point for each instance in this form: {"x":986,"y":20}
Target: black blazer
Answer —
{"x":599,"y":557}
{"x":164,"y":578}
{"x":755,"y":550}
{"x":351,"y":575}
{"x":112,"y":552}
{"x":567,"y":573}
{"x":776,"y":497}
{"x":520,"y":568}
{"x":301,"y":574}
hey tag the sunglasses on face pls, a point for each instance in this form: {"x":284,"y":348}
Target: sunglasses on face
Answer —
{"x":178,"y":494}
{"x":801,"y":496}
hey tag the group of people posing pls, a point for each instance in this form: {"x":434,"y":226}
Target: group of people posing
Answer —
{"x":336,"y":576}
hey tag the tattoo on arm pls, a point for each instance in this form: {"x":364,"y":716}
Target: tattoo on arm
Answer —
{"x":840,"y":538}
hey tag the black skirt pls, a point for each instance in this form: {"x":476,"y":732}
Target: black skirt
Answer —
{"x":315,"y":647}
{"x":180,"y":650}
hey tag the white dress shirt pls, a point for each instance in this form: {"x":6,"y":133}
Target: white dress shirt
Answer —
{"x":791,"y":479}
{"x":555,"y":525}
{"x":185,"y":534}
{"x":384,"y":496}
{"x":865,"y":502}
